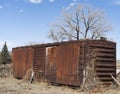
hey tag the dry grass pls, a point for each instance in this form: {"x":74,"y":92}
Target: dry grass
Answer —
{"x":10,"y":85}
{"x":5,"y":70}
{"x":13,"y":86}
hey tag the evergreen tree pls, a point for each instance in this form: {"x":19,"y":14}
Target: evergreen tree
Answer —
{"x":5,"y":57}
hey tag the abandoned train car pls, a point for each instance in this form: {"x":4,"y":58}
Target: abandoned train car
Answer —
{"x":64,"y":62}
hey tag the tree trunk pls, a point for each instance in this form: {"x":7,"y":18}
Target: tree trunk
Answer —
{"x":77,"y":35}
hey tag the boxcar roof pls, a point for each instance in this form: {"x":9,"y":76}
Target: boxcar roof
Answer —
{"x":58,"y":43}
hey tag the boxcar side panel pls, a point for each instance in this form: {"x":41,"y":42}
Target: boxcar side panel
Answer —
{"x":22,"y":59}
{"x":68,"y":64}
{"x":50,"y":69}
{"x":29,"y":58}
{"x":39,"y":62}
{"x":19,"y":62}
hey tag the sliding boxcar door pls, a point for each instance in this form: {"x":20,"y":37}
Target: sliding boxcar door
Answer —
{"x":51,"y":63}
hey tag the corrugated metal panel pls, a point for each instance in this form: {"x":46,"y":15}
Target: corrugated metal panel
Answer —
{"x":50,"y":69}
{"x":22,"y":59}
{"x":29,"y":58}
{"x":62,"y":64}
{"x":68,"y":64}
{"x":39,"y":62}
{"x":105,"y":60}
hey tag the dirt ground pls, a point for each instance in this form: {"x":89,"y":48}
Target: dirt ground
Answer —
{"x":13,"y":86}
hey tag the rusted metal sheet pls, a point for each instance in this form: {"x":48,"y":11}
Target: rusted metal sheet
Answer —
{"x":29,"y":57}
{"x":51,"y":68}
{"x":22,"y":59}
{"x":68,"y":64}
{"x":62,"y":64}
{"x":105,"y":59}
{"x":39,"y":62}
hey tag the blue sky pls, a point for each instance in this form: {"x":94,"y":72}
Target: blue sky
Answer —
{"x":27,"y":21}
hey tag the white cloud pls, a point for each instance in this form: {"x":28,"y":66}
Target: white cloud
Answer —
{"x":1,"y":7}
{"x":51,"y":0}
{"x":4,"y":5}
{"x":74,"y":0}
{"x":34,"y":1}
{"x":37,"y":1}
{"x":70,"y":5}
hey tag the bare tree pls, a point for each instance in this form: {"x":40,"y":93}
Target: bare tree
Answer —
{"x":80,"y":22}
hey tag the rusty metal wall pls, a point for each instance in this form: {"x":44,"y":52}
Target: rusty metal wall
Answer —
{"x":62,"y":64}
{"x":22,"y":59}
{"x":105,"y":60}
{"x":29,"y":57}
{"x":39,"y":62}
{"x":65,"y":62}
{"x":50,"y":65}
{"x":68,"y":64}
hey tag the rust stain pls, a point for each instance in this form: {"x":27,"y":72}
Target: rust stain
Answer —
{"x":50,"y":71}
{"x":22,"y":59}
{"x":39,"y":62}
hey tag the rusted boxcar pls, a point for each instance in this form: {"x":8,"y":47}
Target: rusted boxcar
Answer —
{"x":64,"y":62}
